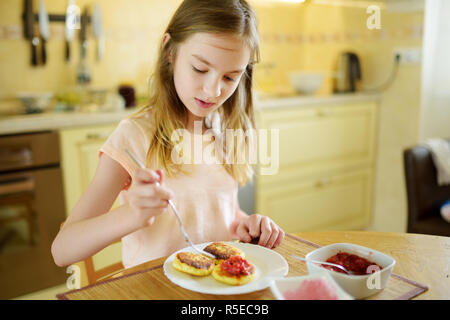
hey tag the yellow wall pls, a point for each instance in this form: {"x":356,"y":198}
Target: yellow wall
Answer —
{"x":310,"y":37}
{"x":294,"y":37}
{"x":132,"y":28}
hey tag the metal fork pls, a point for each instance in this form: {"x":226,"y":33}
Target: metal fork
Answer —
{"x":327,"y":263}
{"x":174,"y":209}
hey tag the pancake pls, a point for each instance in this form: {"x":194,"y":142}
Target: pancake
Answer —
{"x":223,"y":251}
{"x":226,"y":277}
{"x":193,"y":263}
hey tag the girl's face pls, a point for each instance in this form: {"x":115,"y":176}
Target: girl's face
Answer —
{"x":207,"y":70}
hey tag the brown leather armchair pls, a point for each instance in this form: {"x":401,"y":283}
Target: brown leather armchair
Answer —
{"x":425,"y":196}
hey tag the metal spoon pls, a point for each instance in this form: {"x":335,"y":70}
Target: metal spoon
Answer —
{"x":327,"y":263}
{"x":186,"y":237}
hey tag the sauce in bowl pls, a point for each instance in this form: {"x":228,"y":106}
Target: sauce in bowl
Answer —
{"x":352,"y":262}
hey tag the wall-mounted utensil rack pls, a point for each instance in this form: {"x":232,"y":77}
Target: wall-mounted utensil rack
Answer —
{"x":30,"y":18}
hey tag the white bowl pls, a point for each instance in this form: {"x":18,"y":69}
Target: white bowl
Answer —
{"x":35,"y":101}
{"x":282,"y":286}
{"x":306,"y":82}
{"x":359,"y":286}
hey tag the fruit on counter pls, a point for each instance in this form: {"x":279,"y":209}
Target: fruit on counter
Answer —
{"x":69,"y":98}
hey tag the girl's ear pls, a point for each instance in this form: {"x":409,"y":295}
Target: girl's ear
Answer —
{"x":164,"y":42}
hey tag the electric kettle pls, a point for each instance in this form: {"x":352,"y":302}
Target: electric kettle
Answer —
{"x":348,"y":73}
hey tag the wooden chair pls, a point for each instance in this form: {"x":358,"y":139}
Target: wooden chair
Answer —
{"x":97,"y":275}
{"x":425,"y":196}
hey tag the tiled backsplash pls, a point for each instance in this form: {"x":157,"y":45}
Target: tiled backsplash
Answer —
{"x":15,"y":32}
{"x":403,"y":33}
{"x":294,"y":37}
{"x":311,"y":37}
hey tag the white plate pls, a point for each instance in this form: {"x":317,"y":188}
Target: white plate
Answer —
{"x":267,"y":262}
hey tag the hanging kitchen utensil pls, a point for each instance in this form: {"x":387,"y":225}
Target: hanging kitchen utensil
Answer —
{"x":44,"y":29}
{"x":98,"y":30}
{"x":29,"y":31}
{"x":83,"y":32}
{"x":72,"y":16}
{"x":83,"y":72}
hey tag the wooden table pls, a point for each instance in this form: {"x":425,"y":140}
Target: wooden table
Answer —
{"x":424,"y":259}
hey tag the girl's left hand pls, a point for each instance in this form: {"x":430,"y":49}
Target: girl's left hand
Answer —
{"x":257,"y":226}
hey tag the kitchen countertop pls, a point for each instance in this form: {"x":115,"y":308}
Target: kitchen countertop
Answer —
{"x":266,"y":101}
{"x":61,"y":120}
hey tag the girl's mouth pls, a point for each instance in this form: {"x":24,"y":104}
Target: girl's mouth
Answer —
{"x":203,"y":104}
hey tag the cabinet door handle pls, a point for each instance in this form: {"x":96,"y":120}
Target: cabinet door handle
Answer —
{"x":21,"y":184}
{"x":15,"y":156}
{"x":323,"y":113}
{"x":96,"y":136}
{"x":323,"y":182}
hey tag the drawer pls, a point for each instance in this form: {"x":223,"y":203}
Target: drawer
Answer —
{"x":314,"y":138}
{"x":85,"y":134}
{"x":328,"y":202}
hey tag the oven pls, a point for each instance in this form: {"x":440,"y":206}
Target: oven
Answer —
{"x":31,"y":211}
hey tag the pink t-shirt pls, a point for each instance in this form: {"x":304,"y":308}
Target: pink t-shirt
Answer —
{"x":206,"y":199}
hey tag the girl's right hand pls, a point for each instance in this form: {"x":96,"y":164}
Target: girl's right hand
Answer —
{"x":145,"y":198}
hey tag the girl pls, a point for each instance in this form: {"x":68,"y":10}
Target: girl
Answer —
{"x":203,"y":71}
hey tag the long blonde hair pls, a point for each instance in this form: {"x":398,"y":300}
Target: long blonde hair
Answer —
{"x":168,"y":112}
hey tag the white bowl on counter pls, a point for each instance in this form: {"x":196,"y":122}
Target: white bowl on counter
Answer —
{"x":35,"y":102}
{"x":306,"y":82}
{"x":358,"y":286}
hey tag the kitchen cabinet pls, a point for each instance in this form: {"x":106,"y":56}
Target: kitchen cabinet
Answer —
{"x":79,"y":153}
{"x":326,"y":166}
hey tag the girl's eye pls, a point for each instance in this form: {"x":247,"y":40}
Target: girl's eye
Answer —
{"x":230,"y":79}
{"x":197,"y":70}
{"x":204,"y":71}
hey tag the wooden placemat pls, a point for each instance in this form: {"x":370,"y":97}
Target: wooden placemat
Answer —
{"x":152,"y":284}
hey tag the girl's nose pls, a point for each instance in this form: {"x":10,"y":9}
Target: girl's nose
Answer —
{"x":212,"y":88}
